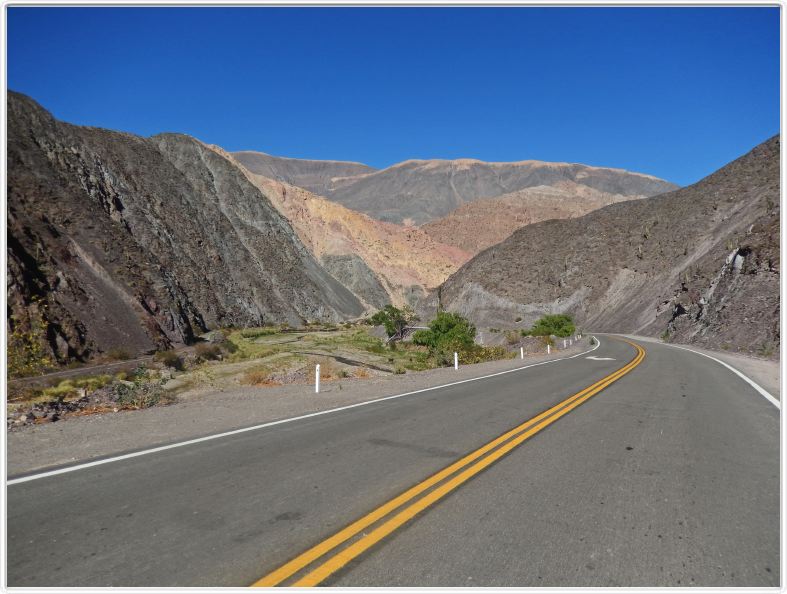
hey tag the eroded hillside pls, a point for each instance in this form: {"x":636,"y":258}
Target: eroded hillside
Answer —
{"x":700,"y":264}
{"x":380,"y":262}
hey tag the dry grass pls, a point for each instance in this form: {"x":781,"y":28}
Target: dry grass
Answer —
{"x":258,"y":377}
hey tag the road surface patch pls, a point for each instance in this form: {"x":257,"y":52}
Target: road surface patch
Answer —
{"x":454,"y":475}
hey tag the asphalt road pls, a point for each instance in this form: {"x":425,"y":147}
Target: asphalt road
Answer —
{"x":668,"y":476}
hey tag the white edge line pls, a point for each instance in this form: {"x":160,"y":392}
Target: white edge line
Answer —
{"x":773,"y":400}
{"x":179,"y":444}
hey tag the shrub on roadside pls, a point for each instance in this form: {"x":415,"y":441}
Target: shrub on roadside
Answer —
{"x":512,"y":337}
{"x":561,"y":325}
{"x":141,"y":391}
{"x":141,"y":394}
{"x":451,"y":333}
{"x":447,"y":331}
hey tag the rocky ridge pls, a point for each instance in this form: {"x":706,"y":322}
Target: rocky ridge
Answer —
{"x":697,"y":265}
{"x":419,"y":191}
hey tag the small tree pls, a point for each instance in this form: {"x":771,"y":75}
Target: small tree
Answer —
{"x":553,"y":324}
{"x":394,"y":319}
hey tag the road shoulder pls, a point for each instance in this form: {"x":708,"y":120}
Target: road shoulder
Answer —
{"x":764,"y":372}
{"x":94,"y":436}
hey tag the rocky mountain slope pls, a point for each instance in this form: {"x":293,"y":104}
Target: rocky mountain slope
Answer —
{"x":415,"y":192}
{"x":698,"y":265}
{"x":315,"y":176}
{"x":380,"y":262}
{"x":117,"y":241}
{"x":482,"y":223}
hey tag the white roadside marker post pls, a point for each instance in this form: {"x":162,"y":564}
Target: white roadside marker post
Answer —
{"x":317,"y":379}
{"x":564,"y":344}
{"x":547,"y":349}
{"x":521,"y":352}
{"x":456,"y":360}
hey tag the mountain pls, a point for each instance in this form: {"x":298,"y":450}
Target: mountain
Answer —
{"x":315,"y":176}
{"x":698,"y":265}
{"x":380,"y":262}
{"x":117,"y":241}
{"x":416,"y":192}
{"x":482,"y":223}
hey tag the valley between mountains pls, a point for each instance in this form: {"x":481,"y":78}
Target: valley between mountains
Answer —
{"x":142,"y":244}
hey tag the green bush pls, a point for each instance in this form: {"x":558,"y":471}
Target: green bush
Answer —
{"x":448,"y":333}
{"x":447,"y":330}
{"x":553,"y":324}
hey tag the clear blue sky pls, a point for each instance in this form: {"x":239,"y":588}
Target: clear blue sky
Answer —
{"x":673,"y":92}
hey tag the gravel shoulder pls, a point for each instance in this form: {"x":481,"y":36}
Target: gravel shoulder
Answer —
{"x":765,"y":372}
{"x":215,"y":411}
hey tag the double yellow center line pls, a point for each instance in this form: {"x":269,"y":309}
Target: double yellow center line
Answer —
{"x":469,"y":466}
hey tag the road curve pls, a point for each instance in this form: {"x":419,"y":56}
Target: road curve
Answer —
{"x":667,"y":476}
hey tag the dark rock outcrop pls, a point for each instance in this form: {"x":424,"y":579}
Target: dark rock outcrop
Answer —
{"x":119,"y":241}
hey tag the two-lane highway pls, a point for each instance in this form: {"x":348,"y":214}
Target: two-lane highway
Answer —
{"x":643,"y":463}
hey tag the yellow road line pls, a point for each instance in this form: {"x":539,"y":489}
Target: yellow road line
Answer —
{"x":334,"y":563}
